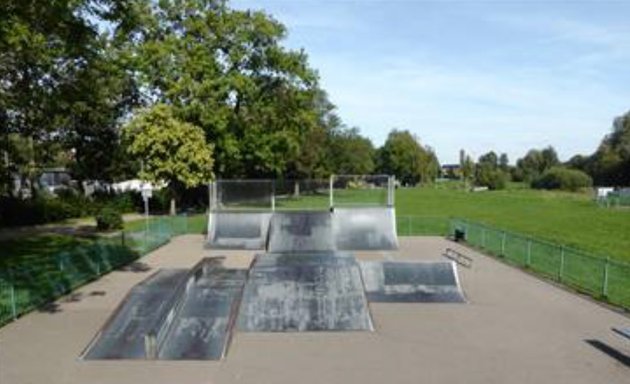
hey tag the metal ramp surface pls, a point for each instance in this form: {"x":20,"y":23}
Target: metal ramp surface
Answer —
{"x":123,"y":335}
{"x":364,"y":229}
{"x":409,"y":282}
{"x":302,"y":231}
{"x":173,"y":315}
{"x":304,"y":292}
{"x":238,"y":230}
{"x":202,"y":324}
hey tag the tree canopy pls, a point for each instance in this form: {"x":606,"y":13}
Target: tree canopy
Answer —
{"x":402,"y":155}
{"x":170,"y":150}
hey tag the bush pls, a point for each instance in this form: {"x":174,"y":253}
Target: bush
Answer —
{"x":564,"y":179}
{"x":109,"y":218}
{"x":494,"y":179}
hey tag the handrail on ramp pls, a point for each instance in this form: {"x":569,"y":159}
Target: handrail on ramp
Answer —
{"x":458,"y":257}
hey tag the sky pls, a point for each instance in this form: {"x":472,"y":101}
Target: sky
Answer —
{"x":502,"y":75}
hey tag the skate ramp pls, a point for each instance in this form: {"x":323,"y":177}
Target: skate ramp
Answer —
{"x":409,"y":282}
{"x":202,"y":324}
{"x":174,"y":315}
{"x":123,"y":335}
{"x":304,"y":292}
{"x":365,"y":229}
{"x":304,"y":231}
{"x":238,"y":230}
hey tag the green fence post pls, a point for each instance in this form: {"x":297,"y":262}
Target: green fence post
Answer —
{"x":408,"y":225}
{"x":529,"y":252}
{"x":503,"y":244}
{"x":561,"y":272}
{"x":605,"y":284}
{"x":483,"y":237}
{"x":13,"y":303}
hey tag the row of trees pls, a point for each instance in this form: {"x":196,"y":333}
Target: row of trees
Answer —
{"x":541,"y":168}
{"x":179,"y":90}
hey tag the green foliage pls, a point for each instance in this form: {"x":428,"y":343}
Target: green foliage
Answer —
{"x":403,"y":156}
{"x":564,"y":179}
{"x":488,"y":172}
{"x":109,"y":219}
{"x":350,"y":153}
{"x":535,"y":163}
{"x":610,"y":164}
{"x":171,"y":151}
{"x":494,"y":179}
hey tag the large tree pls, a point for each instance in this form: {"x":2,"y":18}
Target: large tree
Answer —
{"x":171,"y":151}
{"x":57,"y":87}
{"x":350,"y":153}
{"x":225,"y":71}
{"x":402,"y":155}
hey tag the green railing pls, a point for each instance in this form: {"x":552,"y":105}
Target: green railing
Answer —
{"x":27,"y":287}
{"x":599,"y":277}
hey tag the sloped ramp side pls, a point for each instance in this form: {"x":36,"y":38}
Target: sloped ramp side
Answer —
{"x":304,"y":292}
{"x":301,"y":232}
{"x":365,"y":229}
{"x":411,"y":282}
{"x":123,"y":335}
{"x":202,"y":326}
{"x":238,"y":230}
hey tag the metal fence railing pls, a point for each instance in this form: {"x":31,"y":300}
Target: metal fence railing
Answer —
{"x":24,"y":287}
{"x":600,"y":277}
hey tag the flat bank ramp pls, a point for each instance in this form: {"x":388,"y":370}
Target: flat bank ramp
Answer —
{"x":238,"y":230}
{"x":301,"y":232}
{"x":365,"y":229}
{"x":408,"y":282}
{"x":304,"y":292}
{"x":123,"y":335}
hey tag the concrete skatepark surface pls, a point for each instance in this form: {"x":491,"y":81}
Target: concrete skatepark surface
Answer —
{"x":515,"y":328}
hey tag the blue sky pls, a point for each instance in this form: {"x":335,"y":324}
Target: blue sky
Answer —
{"x":502,"y":75}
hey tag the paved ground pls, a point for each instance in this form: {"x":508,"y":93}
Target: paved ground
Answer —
{"x":515,"y":329}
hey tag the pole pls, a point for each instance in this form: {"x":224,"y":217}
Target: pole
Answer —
{"x":561,"y":272}
{"x":503,"y":244}
{"x":529,"y":253}
{"x":330,"y":191}
{"x":605,"y":285}
{"x":273,"y":195}
{"x":13,"y":303}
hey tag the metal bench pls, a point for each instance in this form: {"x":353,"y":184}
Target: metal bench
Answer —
{"x":458,"y":257}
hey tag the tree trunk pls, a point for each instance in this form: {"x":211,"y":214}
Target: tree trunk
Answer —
{"x":173,"y":208}
{"x":296,"y":189}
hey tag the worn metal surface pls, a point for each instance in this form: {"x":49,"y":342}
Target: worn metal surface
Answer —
{"x":174,"y":314}
{"x":202,"y":326}
{"x":371,"y":228}
{"x":123,"y":336}
{"x":238,"y":230}
{"x":304,"y":292}
{"x":301,"y":232}
{"x":401,"y":281}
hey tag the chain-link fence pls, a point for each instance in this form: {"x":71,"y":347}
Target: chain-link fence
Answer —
{"x":25,"y":287}
{"x":599,"y":277}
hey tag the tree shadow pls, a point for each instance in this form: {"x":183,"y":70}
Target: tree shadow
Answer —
{"x":610,"y":351}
